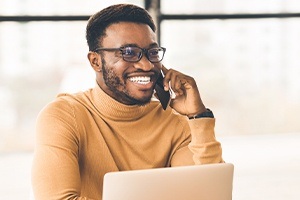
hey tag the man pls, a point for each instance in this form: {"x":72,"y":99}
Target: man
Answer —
{"x":116,"y":126}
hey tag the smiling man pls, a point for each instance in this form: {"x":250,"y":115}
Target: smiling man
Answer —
{"x":117,"y":125}
{"x":121,"y":69}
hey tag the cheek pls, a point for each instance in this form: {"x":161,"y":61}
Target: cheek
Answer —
{"x":113,"y":59}
{"x":112,"y":80}
{"x":113,"y":66}
{"x":116,"y":66}
{"x":113,"y":76}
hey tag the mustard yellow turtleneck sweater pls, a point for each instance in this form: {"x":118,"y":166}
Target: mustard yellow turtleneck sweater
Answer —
{"x":81,"y":137}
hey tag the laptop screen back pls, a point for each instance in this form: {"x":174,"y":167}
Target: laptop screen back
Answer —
{"x":199,"y":182}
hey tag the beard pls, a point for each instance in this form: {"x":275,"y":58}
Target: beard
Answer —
{"x":117,"y":85}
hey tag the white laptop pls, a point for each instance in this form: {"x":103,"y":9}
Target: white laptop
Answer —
{"x":198,"y":182}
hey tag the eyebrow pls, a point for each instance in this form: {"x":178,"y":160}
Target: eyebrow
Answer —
{"x":135,"y":45}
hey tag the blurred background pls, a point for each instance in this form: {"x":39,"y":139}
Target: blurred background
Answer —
{"x":243,"y":54}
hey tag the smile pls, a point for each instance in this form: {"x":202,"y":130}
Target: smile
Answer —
{"x":140,"y":79}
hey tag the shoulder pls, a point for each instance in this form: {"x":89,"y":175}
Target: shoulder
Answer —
{"x":64,"y":105}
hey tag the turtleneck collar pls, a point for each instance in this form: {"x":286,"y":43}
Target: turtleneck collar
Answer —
{"x":115,"y":110}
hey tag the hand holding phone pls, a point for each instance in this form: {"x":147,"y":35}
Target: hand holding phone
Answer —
{"x":186,"y":99}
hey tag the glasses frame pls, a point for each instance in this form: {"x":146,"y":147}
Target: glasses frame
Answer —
{"x":143,"y":52}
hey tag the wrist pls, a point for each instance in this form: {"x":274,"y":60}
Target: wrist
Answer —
{"x":200,"y":110}
{"x":206,"y":114}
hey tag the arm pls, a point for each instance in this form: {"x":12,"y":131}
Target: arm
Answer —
{"x":203,"y":148}
{"x":55,"y":170}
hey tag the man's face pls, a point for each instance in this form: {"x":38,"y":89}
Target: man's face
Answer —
{"x":128,"y":82}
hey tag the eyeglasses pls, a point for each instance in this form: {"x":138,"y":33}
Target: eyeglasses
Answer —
{"x":135,"y":54}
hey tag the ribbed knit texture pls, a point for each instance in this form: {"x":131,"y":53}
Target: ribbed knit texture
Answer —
{"x":81,"y":137}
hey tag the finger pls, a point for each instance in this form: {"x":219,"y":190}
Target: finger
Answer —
{"x":171,"y":80}
{"x":166,"y":77}
{"x":174,"y":81}
{"x":177,"y":85}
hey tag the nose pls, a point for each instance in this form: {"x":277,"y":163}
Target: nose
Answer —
{"x":144,"y":64}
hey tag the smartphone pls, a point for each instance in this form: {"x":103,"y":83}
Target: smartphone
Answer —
{"x":163,"y":96}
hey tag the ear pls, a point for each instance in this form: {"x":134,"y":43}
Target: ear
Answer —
{"x":95,"y":61}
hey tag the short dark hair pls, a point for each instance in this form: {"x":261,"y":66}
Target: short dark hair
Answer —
{"x":98,"y":22}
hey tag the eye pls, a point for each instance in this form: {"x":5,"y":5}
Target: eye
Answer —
{"x":153,"y":52}
{"x":129,"y":51}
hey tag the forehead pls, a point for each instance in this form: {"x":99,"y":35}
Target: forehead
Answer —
{"x":122,"y":33}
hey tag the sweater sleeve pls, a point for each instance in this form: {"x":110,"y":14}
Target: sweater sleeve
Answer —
{"x":204,"y":146}
{"x":55,"y":170}
{"x":200,"y":146}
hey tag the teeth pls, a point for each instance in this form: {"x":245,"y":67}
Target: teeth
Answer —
{"x":140,"y":79}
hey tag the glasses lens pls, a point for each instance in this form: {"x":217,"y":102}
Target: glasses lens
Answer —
{"x":155,"y":54}
{"x":131,"y":54}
